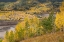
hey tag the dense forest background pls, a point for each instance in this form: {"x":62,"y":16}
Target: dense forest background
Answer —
{"x":26,"y":4}
{"x":38,"y":0}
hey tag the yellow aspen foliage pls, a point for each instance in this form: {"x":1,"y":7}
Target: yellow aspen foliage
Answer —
{"x":20,"y":25}
{"x":4,"y":40}
{"x":59,"y":21}
{"x":19,"y":31}
{"x":6,"y":37}
{"x":9,"y":37}
{"x":27,"y":28}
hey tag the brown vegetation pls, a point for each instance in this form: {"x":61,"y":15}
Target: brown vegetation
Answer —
{"x":54,"y":37}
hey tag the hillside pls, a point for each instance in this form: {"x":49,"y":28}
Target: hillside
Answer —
{"x":54,"y":37}
{"x":25,"y":4}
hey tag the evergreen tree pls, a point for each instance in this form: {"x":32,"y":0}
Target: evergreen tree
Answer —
{"x":48,"y":23}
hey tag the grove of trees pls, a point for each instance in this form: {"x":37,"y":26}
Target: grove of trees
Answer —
{"x":30,"y":28}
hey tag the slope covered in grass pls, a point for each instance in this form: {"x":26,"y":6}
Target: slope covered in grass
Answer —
{"x":53,"y":37}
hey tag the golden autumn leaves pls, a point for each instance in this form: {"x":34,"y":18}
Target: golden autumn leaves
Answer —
{"x":25,"y":29}
{"x":59,"y":21}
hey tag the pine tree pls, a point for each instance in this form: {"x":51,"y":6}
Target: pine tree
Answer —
{"x":48,"y":23}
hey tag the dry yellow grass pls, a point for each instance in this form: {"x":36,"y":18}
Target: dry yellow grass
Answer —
{"x":54,"y":37}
